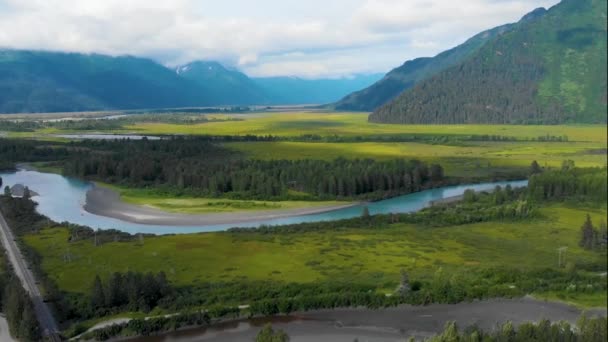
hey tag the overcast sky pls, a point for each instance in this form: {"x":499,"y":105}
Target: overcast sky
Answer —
{"x":307,"y":38}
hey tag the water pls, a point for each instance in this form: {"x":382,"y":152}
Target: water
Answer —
{"x":62,"y":198}
{"x":382,"y":325}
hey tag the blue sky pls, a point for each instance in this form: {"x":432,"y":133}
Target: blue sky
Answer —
{"x":311,"y":39}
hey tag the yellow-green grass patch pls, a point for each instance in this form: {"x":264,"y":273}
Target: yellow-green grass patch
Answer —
{"x":360,"y":255}
{"x":356,"y":124}
{"x":201,"y":205}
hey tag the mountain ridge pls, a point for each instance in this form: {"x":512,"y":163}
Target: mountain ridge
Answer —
{"x":550,"y":70}
{"x":46,"y":81}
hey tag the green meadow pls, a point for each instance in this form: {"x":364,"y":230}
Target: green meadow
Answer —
{"x":479,"y":158}
{"x":356,"y":124}
{"x":372,"y":255}
{"x":198,"y":205}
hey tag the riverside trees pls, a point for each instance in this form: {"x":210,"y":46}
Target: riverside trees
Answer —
{"x":204,"y":168}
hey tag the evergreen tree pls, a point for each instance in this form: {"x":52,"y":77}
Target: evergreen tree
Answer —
{"x":535,"y":168}
{"x":365,"y":213}
{"x":28,"y":326}
{"x":7,"y":191}
{"x":587,"y":234}
{"x":98,"y":299}
{"x":26,"y":193}
{"x":267,"y":334}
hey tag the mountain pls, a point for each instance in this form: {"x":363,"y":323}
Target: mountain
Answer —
{"x":224,"y":86}
{"x":547,"y":69}
{"x":39,"y":81}
{"x":35,"y":81}
{"x":414,"y":71}
{"x":294,"y":90}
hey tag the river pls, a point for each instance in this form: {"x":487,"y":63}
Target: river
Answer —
{"x":383,"y":325}
{"x":62,"y":199}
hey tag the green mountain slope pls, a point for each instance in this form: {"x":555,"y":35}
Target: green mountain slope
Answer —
{"x":548,"y":70}
{"x":33,"y":81}
{"x":414,"y":71}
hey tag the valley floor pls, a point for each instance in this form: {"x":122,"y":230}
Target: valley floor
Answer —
{"x":373,"y":255}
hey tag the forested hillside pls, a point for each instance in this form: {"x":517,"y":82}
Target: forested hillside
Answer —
{"x":416,"y":70}
{"x":34,"y":81}
{"x":548,"y":70}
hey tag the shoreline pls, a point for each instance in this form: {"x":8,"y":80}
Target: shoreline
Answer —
{"x":107,"y":202}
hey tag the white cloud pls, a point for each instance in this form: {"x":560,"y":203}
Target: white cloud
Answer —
{"x":311,"y":38}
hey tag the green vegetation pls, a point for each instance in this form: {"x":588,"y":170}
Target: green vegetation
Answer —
{"x":548,"y":70}
{"x":196,"y":205}
{"x":499,"y":244}
{"x":356,"y":124}
{"x":588,"y":329}
{"x":459,"y":160}
{"x":267,"y":334}
{"x":16,"y":304}
{"x":380,"y":254}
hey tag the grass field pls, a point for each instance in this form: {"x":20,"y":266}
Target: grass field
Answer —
{"x":586,"y":146}
{"x":355,"y":124}
{"x":462,"y":159}
{"x":362,"y":255}
{"x":198,"y":205}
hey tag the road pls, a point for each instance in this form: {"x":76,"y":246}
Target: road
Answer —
{"x":43,"y":313}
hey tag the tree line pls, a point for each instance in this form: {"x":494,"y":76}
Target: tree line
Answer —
{"x":593,"y":238}
{"x":587,"y":329}
{"x":207,"y":169}
{"x":569,"y":183}
{"x":129,"y":291}
{"x":16,"y":304}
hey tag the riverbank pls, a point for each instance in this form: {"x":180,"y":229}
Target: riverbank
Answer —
{"x":389,"y":324}
{"x":107,"y":202}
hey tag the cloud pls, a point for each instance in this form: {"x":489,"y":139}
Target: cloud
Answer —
{"x":311,"y":38}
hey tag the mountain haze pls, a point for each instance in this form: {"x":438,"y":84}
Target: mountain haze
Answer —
{"x":549,"y":69}
{"x":39,"y":81}
{"x":294,"y":90}
{"x":224,"y":86}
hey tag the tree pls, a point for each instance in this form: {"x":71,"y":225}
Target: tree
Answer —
{"x":0,"y":181}
{"x":365,"y":214}
{"x":436,"y":173}
{"x":26,"y":193}
{"x":469,"y":196}
{"x":404,"y":285}
{"x":7,"y":191}
{"x":98,"y":299}
{"x":267,"y":334}
{"x":28,"y":326}
{"x":535,"y":168}
{"x":568,"y":165}
{"x":588,"y":234}
{"x":603,"y":234}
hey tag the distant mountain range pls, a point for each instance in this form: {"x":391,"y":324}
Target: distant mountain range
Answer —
{"x":38,"y":81}
{"x":549,"y":68}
